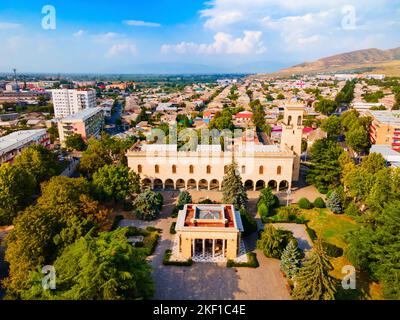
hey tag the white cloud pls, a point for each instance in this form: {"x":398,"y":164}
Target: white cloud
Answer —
{"x":224,"y":43}
{"x":108,"y":36}
{"x":219,"y":21}
{"x":8,"y":25}
{"x":79,"y":33}
{"x":140,"y":23}
{"x":118,"y":49}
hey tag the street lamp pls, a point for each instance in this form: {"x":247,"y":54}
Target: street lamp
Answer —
{"x":288,"y":192}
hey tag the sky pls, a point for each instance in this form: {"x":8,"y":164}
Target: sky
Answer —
{"x":182,"y":36}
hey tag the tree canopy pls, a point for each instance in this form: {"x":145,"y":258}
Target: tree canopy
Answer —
{"x":233,"y":189}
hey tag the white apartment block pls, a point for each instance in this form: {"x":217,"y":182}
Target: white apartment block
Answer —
{"x":71,"y":101}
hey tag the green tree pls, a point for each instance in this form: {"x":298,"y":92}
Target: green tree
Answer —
{"x":96,"y":156}
{"x":326,"y":106}
{"x":332,"y":126}
{"x":116,"y":183}
{"x":75,"y":142}
{"x":16,"y":189}
{"x":313,"y":281}
{"x":39,"y":162}
{"x":106,"y":267}
{"x":63,"y":213}
{"x":374,"y":247}
{"x":148,"y":205}
{"x":233,"y":189}
{"x":184,"y":198}
{"x":334,"y":202}
{"x":273,"y":241}
{"x":325,"y":167}
{"x":358,"y":139}
{"x":248,"y":221}
{"x":290,"y":260}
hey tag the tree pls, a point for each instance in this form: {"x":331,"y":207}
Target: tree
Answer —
{"x":273,"y":241}
{"x":75,"y":142}
{"x":184,"y":198}
{"x":326,"y":106}
{"x":358,"y":139}
{"x":16,"y":189}
{"x":113,"y":182}
{"x":290,"y":260}
{"x":233,"y":189}
{"x":39,"y":162}
{"x":249,"y":223}
{"x":267,"y":201}
{"x":374,"y":247}
{"x":96,"y":156}
{"x":334,"y":202}
{"x":148,"y":205}
{"x":325,"y":169}
{"x":106,"y":267}
{"x":313,"y":281}
{"x":63,"y":214}
{"x":332,"y":126}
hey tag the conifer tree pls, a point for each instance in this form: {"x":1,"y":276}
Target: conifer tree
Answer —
{"x":290,"y":260}
{"x":313,"y":281}
{"x":233,"y":189}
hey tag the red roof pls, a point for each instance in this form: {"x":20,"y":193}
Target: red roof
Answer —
{"x":308,"y":130}
{"x":244,"y":114}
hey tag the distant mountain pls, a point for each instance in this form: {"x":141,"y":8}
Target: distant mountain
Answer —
{"x":369,"y":60}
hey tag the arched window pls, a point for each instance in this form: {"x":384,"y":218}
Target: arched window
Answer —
{"x":139,"y":168}
{"x":243,"y":169}
{"x":299,"y":121}
{"x":289,"y":120}
{"x":208,"y":169}
{"x":261,"y":170}
{"x":191,"y":169}
{"x":279,"y":170}
{"x":174,"y":169}
{"x":157,"y":168}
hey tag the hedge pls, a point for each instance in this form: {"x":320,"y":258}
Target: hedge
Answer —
{"x":332,"y":250}
{"x":172,"y":228}
{"x":252,"y":262}
{"x":319,"y":203}
{"x":167,"y":262}
{"x":311,"y":233}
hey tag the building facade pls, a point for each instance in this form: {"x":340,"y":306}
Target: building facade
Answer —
{"x":12,"y":145}
{"x":163,"y":166}
{"x":88,"y":123}
{"x":208,"y":231}
{"x":385,"y":128}
{"x":71,"y":101}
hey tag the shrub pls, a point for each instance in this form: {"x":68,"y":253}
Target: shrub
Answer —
{"x":319,"y":203}
{"x":167,"y":262}
{"x":172,"y":228}
{"x":304,"y":203}
{"x":184,"y":198}
{"x":251,"y":263}
{"x":117,"y":220}
{"x":332,"y":250}
{"x":334,"y":202}
{"x":249,"y":223}
{"x":352,"y":210}
{"x":273,"y":241}
{"x":311,"y":232}
{"x":264,"y":212}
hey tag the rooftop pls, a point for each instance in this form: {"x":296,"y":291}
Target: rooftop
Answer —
{"x":19,"y":138}
{"x":387,"y":117}
{"x":82,"y":115}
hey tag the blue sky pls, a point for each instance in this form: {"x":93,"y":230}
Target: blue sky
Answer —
{"x":190,"y":36}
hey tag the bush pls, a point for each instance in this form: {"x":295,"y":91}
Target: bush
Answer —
{"x":184,"y":198}
{"x":175,"y":212}
{"x":117,"y":220}
{"x":264,"y":212}
{"x":249,"y":223}
{"x":332,"y":250}
{"x":319,"y":203}
{"x":304,"y":203}
{"x":311,"y":232}
{"x":172,"y":228}
{"x":352,"y":210}
{"x":167,"y":262}
{"x":334,"y":202}
{"x":151,"y":236}
{"x":273,"y":241}
{"x":251,"y":263}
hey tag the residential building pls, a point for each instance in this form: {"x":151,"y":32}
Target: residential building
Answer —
{"x":88,"y":123}
{"x":208,"y":231}
{"x":71,"y":101}
{"x":11,"y":145}
{"x":385,"y":128}
{"x":392,"y":157}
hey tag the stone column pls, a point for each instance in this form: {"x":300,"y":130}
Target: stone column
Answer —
{"x":223,"y":248}
{"x":204,"y":247}
{"x":194,"y":247}
{"x":213,"y":248}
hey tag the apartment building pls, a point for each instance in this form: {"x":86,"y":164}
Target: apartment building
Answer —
{"x":385,"y":128}
{"x":71,"y":101}
{"x":12,"y":145}
{"x":88,"y":123}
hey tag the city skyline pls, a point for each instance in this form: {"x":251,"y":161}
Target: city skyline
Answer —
{"x":189,"y":37}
